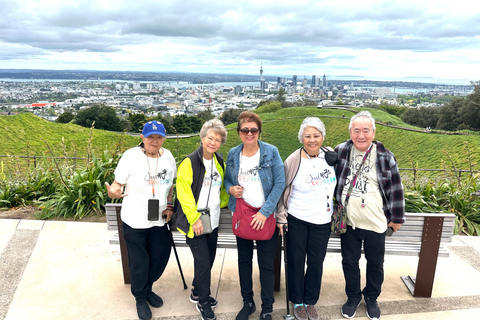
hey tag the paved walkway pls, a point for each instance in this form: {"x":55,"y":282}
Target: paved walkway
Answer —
{"x":68,"y":270}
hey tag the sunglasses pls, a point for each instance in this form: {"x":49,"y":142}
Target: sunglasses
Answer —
{"x":246,"y":130}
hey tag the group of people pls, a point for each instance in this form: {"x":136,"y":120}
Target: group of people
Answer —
{"x":300,"y":194}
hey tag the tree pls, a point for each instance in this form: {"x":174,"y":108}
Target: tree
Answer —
{"x":231,"y":115}
{"x":137,"y":121}
{"x":449,"y":118}
{"x":281,"y":95}
{"x":270,"y":107}
{"x":206,"y":115}
{"x":104,"y":117}
{"x":65,"y":117}
{"x":470,"y":111}
{"x":186,"y":124}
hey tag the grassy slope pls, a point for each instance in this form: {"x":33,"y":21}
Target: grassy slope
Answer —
{"x":409,"y":147}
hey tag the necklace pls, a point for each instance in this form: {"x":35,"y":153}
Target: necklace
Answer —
{"x":311,"y":157}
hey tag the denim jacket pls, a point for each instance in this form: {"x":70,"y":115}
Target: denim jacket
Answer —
{"x":271,"y":173}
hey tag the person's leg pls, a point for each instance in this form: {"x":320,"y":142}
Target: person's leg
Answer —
{"x":317,"y":243}
{"x":201,"y":261}
{"x":159,"y":248}
{"x":374,"y":248}
{"x":351,"y":244}
{"x":296,"y":245}
{"x":265,"y":257}
{"x":138,"y":261}
{"x":245,"y":270}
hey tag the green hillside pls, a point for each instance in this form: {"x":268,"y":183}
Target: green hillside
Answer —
{"x":26,"y":134}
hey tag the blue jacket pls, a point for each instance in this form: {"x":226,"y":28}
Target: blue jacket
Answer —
{"x":271,"y":174}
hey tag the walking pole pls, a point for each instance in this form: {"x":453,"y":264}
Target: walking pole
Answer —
{"x":288,"y":316}
{"x":176,"y":255}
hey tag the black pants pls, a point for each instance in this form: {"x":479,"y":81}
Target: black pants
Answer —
{"x":148,"y":254}
{"x":305,"y":241}
{"x":374,"y":248}
{"x":265,"y":257}
{"x":204,"y":249}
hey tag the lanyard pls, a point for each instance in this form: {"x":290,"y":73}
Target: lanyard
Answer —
{"x":150,"y":180}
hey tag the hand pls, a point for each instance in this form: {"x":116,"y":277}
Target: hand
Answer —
{"x":236,"y":191}
{"x":167,"y":214}
{"x":198,"y":227}
{"x":115,"y":190}
{"x":394,"y":226}
{"x":258,"y":221}
{"x":280,"y":226}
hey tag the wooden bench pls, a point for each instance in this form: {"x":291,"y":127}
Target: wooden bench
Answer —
{"x":423,"y":235}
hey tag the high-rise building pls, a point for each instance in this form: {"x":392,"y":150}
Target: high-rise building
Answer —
{"x":262,"y":82}
{"x":304,"y":82}
{"x":295,"y":80}
{"x":314,"y":79}
{"x":324,"y":84}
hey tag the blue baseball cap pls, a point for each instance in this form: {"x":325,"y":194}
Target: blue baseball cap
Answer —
{"x":153,"y":127}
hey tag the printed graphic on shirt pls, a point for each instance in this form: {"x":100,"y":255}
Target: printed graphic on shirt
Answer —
{"x":363,"y":177}
{"x":160,"y":179}
{"x":321,"y":178}
{"x":249,"y":175}
{"x":215,"y":180}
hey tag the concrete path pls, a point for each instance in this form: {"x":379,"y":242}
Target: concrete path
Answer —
{"x":68,"y":270}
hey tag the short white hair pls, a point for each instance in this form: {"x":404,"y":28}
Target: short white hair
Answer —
{"x":313,"y":122}
{"x":216,"y":125}
{"x":362,"y":114}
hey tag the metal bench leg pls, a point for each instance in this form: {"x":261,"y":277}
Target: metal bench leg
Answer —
{"x":123,"y":248}
{"x":422,"y":285}
{"x":277,"y":263}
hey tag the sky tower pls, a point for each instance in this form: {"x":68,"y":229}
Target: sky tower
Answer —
{"x":262,"y":82}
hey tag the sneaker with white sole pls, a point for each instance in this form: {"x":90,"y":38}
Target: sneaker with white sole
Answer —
{"x":373,"y":311}
{"x":349,"y":309}
{"x":206,"y":311}
{"x":194,"y":299}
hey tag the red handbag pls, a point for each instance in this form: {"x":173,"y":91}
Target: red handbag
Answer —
{"x":243,"y":216}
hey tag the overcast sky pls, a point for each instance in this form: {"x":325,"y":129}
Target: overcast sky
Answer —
{"x":369,"y":38}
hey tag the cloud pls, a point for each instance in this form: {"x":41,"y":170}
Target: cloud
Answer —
{"x":213,"y":35}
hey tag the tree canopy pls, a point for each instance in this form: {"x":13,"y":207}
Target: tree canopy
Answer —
{"x":104,"y":117}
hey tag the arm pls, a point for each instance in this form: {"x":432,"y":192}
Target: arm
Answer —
{"x":184,"y":191}
{"x":397,"y":198}
{"x":278,"y":173}
{"x":167,"y":213}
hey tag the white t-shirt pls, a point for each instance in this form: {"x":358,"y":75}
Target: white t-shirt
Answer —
{"x":215,"y":180}
{"x":311,"y":199}
{"x":365,"y":207}
{"x":249,"y":179}
{"x":133,"y":171}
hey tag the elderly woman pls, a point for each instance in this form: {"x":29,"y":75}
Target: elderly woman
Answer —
{"x":306,"y":207}
{"x":146,"y":172}
{"x":200,"y":190}
{"x":255,"y":174}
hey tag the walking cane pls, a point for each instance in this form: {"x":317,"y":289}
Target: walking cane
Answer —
{"x":288,"y":316}
{"x":176,"y":255}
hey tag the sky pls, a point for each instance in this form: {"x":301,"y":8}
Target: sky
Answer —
{"x":370,"y":38}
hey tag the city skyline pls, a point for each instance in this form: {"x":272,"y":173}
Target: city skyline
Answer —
{"x":371,"y":39}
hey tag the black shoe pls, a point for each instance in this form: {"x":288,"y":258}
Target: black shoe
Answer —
{"x":154,"y":300}
{"x":266,"y":316}
{"x":143,"y":311}
{"x":194,"y":298}
{"x":373,"y":311}
{"x":206,"y":311}
{"x":349,"y":309}
{"x":248,"y":309}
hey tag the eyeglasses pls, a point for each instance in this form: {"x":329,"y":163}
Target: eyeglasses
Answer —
{"x":246,"y":130}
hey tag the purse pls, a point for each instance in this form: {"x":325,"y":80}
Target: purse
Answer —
{"x":243,"y":216}
{"x":339,"y":215}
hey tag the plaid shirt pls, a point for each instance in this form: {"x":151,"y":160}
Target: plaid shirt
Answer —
{"x":388,"y":176}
